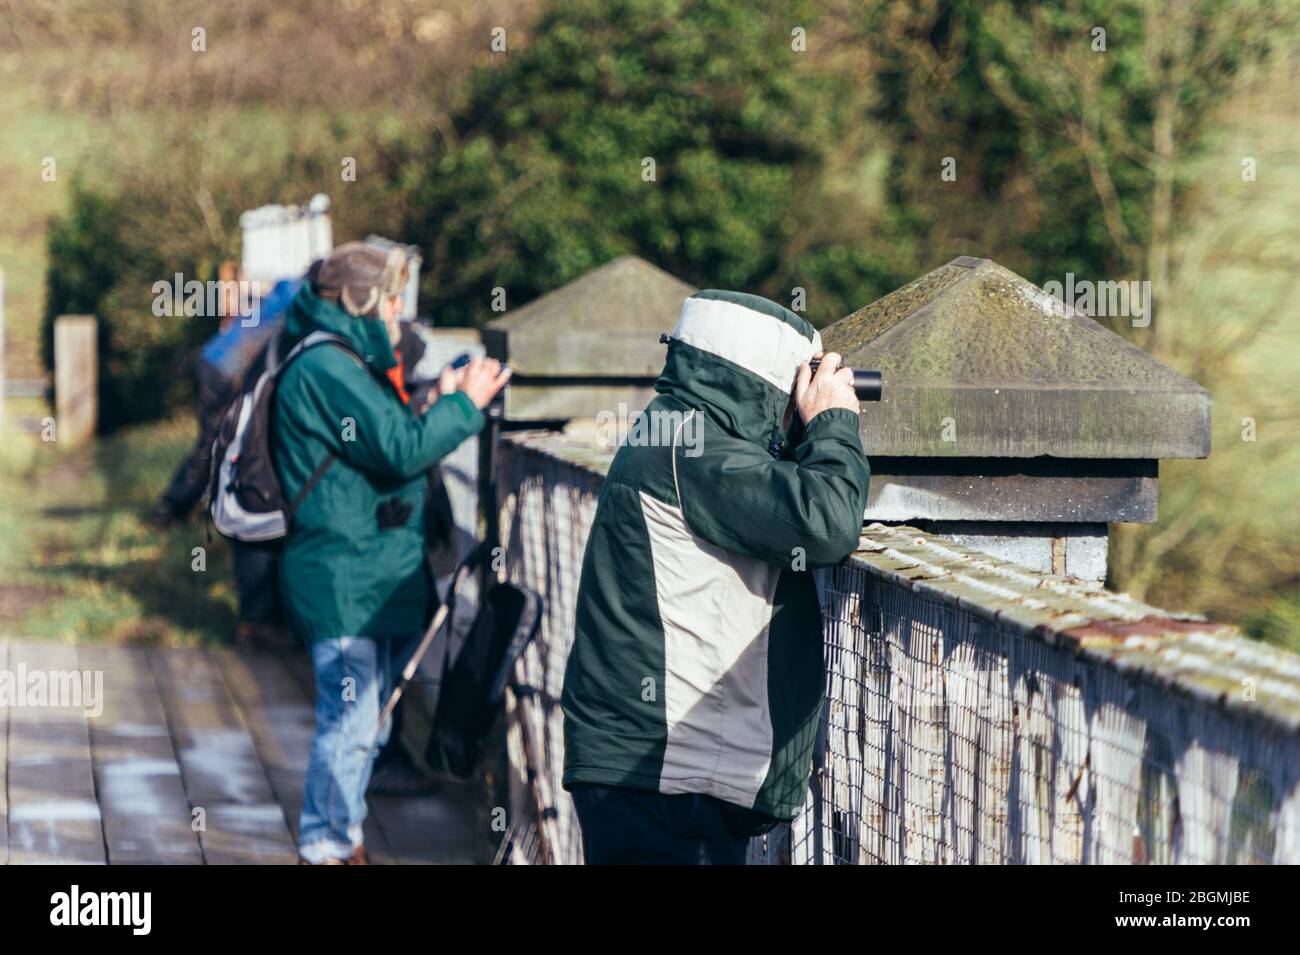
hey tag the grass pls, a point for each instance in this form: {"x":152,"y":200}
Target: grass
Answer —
{"x":81,"y":565}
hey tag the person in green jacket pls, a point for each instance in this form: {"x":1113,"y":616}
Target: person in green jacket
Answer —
{"x":695,"y":682}
{"x":354,"y":577}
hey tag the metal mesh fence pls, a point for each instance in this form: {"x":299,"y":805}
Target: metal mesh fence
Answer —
{"x":547,"y":509}
{"x":948,"y":735}
{"x":949,"y":739}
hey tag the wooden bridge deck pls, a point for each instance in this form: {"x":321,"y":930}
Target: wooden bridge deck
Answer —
{"x":183,"y":730}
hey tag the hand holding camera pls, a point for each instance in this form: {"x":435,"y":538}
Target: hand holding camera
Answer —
{"x":480,"y":378}
{"x":830,"y":387}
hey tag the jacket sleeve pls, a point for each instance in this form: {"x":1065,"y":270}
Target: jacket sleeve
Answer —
{"x":737,"y":496}
{"x":371,"y":432}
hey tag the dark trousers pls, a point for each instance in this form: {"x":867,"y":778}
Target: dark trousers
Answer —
{"x":213,"y":394}
{"x":257,"y":579}
{"x":622,"y":826}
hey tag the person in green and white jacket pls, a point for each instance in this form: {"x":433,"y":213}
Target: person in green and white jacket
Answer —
{"x":696,"y":678}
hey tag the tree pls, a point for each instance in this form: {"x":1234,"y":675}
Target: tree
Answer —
{"x":1069,"y":124}
{"x":690,"y":133}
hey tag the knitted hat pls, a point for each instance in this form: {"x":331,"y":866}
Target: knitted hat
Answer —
{"x":358,"y":276}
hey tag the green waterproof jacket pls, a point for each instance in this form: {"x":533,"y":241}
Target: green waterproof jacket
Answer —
{"x":697,"y":660}
{"x":353,"y":562}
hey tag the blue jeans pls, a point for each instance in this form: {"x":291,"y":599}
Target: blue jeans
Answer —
{"x":354,"y":676}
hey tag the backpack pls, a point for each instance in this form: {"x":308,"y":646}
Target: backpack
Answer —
{"x":245,"y":500}
{"x":473,"y":682}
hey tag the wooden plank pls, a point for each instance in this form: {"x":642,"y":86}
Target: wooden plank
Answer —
{"x":279,"y":718}
{"x":146,"y":813}
{"x":76,"y":376}
{"x":219,"y":762}
{"x":423,"y":830}
{"x":54,"y":816}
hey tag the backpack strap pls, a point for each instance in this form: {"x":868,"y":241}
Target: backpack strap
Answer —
{"x":311,"y":340}
{"x":310,"y":483}
{"x":273,"y":349}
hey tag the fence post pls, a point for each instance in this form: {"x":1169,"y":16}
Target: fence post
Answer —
{"x":76,"y":377}
{"x":1012,"y":421}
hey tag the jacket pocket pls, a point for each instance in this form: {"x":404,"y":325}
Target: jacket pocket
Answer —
{"x":393,"y":512}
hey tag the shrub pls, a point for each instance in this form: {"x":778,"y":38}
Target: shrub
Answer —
{"x":543,"y":179}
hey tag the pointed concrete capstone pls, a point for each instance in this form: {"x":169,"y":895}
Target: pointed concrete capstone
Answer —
{"x":979,"y":362}
{"x":589,"y":345}
{"x":598,"y":324}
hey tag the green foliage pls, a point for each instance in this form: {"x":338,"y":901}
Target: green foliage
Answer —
{"x":543,"y":179}
{"x":1278,"y":622}
{"x":1056,"y":141}
{"x":85,"y":243}
{"x":173,"y":145}
{"x":102,"y":267}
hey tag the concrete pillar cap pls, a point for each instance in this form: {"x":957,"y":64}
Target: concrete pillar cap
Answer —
{"x":979,"y":362}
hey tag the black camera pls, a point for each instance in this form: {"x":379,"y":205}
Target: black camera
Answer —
{"x":866,"y":384}
{"x":496,"y":408}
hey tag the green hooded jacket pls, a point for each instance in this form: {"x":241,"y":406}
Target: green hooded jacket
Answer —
{"x":342,"y":573}
{"x":697,"y":658}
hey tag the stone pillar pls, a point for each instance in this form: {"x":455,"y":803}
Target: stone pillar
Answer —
{"x":76,"y":378}
{"x":590,"y":346}
{"x":1009,"y":421}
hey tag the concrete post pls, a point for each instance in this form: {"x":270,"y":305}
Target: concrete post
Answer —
{"x":590,"y":346}
{"x":76,"y":378}
{"x":1011,"y":423}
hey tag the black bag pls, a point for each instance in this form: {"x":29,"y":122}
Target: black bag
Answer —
{"x":244,"y":496}
{"x":474,"y":684}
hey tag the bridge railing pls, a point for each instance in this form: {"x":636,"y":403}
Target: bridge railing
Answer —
{"x":977,"y":711}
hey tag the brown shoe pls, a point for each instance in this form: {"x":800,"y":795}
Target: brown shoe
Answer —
{"x":359,"y":857}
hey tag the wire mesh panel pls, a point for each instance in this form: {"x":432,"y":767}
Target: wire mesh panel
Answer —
{"x":547,"y":507}
{"x":954,"y":732}
{"x":951,"y":740}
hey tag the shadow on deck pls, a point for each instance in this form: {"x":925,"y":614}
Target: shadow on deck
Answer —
{"x":197,"y":757}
